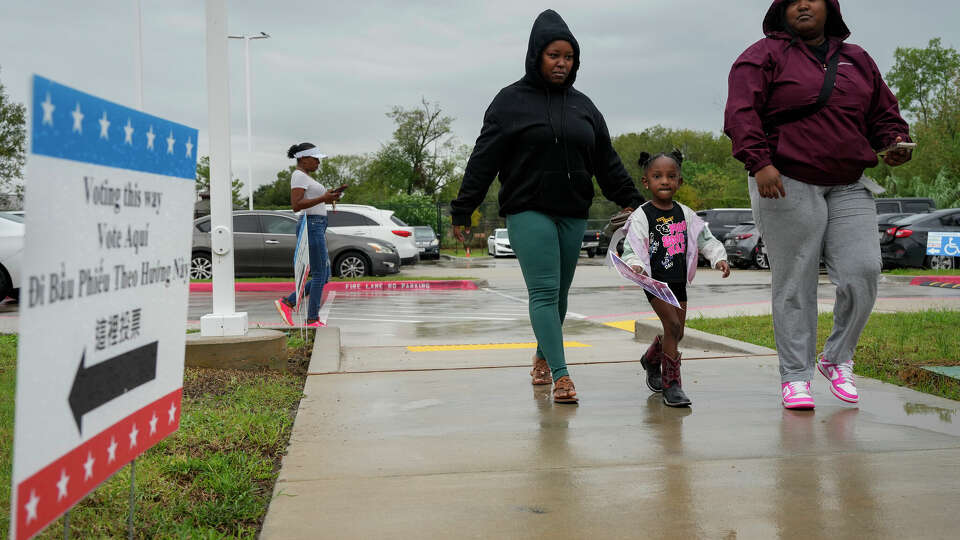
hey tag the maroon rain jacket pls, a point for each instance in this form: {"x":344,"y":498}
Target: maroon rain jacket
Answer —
{"x":832,"y":146}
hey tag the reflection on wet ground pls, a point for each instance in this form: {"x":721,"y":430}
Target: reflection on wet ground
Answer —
{"x":946,"y":415}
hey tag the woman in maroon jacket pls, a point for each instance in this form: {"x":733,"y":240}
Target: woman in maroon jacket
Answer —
{"x":807,"y":113}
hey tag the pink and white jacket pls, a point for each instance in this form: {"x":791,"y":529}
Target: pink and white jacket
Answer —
{"x":698,"y":234}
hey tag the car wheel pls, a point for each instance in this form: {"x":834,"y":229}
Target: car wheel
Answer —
{"x":939,"y":262}
{"x":6,"y":284}
{"x":760,"y":259}
{"x":351,"y":265}
{"x":201,"y":267}
{"x":591,"y":253}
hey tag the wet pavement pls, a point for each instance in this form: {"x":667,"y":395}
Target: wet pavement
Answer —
{"x":477,"y":452}
{"x":398,"y":438}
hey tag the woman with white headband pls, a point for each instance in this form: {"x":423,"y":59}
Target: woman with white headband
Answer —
{"x":310,"y":197}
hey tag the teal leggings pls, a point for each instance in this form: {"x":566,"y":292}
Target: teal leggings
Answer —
{"x":548,"y":248}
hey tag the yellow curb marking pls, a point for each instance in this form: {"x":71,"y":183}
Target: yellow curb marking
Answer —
{"x":621,"y":325}
{"x":487,"y":347}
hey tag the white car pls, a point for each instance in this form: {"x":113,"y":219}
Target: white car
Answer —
{"x":11,"y":253}
{"x":498,"y":243}
{"x":363,"y":220}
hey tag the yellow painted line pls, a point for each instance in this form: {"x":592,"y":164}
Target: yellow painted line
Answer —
{"x":487,"y":347}
{"x":622,"y":325}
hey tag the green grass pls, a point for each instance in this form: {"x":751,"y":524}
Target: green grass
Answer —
{"x":892,"y":348}
{"x":212,"y":479}
{"x":921,"y":272}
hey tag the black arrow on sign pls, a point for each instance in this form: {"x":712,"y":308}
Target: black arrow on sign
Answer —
{"x":110,"y":379}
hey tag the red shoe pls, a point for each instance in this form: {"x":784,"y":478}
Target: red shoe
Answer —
{"x":315,"y":324}
{"x":285,"y":310}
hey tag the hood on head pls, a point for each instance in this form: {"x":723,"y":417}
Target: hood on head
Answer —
{"x":549,"y":27}
{"x":773,"y":25}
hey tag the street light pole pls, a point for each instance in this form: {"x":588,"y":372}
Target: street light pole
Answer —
{"x":246,"y":50}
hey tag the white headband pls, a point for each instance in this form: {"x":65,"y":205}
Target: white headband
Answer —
{"x":310,"y":152}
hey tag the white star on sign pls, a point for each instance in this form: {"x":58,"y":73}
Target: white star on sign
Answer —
{"x":172,"y":411}
{"x":128,"y":133}
{"x":31,"y":506}
{"x":104,"y":126}
{"x":153,"y":424}
{"x":48,"y":108}
{"x":189,"y":146}
{"x":150,"y":136}
{"x":133,"y":436}
{"x":77,"y":119}
{"x":88,"y":467}
{"x":112,"y":451}
{"x":62,"y":485}
{"x":170,"y":141}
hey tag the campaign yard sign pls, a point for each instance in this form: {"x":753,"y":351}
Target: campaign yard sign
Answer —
{"x":109,"y":205}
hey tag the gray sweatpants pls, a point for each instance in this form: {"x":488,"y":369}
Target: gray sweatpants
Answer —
{"x":841,"y":224}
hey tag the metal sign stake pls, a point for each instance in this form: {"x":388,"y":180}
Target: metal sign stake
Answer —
{"x":66,"y":526}
{"x":133,"y":474}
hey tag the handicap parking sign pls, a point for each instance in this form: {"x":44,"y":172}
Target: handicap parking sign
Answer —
{"x":943,"y":243}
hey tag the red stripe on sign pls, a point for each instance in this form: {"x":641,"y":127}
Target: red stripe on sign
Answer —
{"x":53,"y":490}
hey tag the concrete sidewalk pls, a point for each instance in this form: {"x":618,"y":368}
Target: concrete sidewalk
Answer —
{"x":390,"y":443}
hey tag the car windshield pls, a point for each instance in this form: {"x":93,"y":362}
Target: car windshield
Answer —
{"x":425,"y":233}
{"x":502,"y":234}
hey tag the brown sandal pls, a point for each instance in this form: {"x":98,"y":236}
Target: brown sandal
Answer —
{"x":541,"y":372}
{"x":564,"y":391}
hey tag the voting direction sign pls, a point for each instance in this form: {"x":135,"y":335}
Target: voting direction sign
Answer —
{"x":103,"y":304}
{"x":943,"y":243}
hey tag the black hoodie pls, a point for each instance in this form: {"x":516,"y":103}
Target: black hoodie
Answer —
{"x":545,"y":142}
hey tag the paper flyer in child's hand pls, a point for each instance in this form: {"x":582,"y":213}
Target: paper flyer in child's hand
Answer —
{"x":657,"y":288}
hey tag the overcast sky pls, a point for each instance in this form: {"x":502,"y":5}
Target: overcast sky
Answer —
{"x":332,"y":70}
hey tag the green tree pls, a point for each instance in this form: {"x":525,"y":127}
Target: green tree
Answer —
{"x":13,"y":141}
{"x":202,"y":184}
{"x":923,"y":78}
{"x":927,"y":84}
{"x":712,"y":177}
{"x":423,"y":151}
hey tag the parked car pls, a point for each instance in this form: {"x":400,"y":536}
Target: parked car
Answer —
{"x":264,"y":243}
{"x":591,"y":243}
{"x":377,"y":224}
{"x":11,"y":253}
{"x":427,"y":242}
{"x":905,"y":205}
{"x":745,"y":247}
{"x":904,"y":244}
{"x":723,"y":220}
{"x":498,"y":244}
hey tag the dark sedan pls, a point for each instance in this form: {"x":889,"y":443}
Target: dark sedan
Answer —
{"x":904,"y":243}
{"x":745,"y":247}
{"x":427,"y":242}
{"x":264,"y":243}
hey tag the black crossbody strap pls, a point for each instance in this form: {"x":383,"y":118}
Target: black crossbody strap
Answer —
{"x":792,"y":115}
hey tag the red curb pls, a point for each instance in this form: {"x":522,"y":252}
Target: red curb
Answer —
{"x":347,"y":286}
{"x":924,"y":280}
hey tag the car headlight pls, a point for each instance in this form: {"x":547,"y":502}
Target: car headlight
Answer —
{"x":379,"y":248}
{"x":434,"y":242}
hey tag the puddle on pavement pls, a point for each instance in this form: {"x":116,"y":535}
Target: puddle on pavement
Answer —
{"x":946,"y":415}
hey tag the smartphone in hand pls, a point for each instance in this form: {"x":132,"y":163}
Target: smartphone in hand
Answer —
{"x":898,"y":146}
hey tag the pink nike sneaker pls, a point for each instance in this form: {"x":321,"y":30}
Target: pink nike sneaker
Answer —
{"x":841,"y":379}
{"x":796,"y":395}
{"x":315,"y":324}
{"x":286,"y":312}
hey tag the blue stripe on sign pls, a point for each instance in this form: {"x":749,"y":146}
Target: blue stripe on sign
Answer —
{"x":71,"y":124}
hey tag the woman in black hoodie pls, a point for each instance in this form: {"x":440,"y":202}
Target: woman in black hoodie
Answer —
{"x":545,"y":141}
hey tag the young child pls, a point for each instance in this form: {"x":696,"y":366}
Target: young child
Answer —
{"x":671,"y":234}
